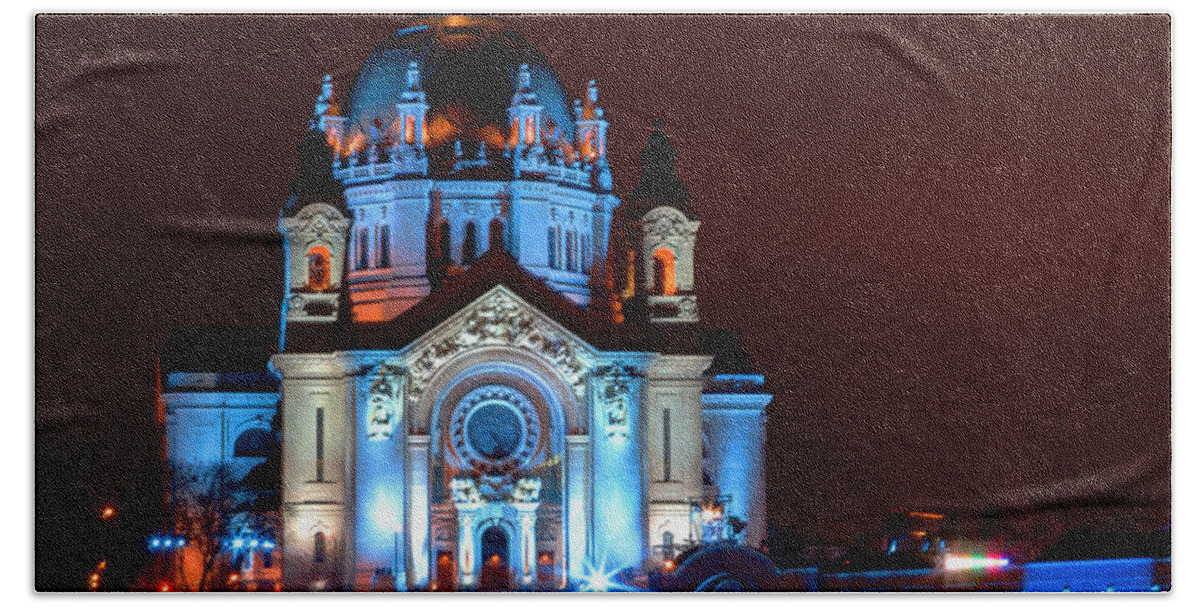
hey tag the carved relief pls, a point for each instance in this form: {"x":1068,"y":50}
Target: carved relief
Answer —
{"x":501,"y":320}
{"x":384,"y":402}
{"x":527,"y":489}
{"x":668,"y":225}
{"x":615,"y":398}
{"x":466,"y":491}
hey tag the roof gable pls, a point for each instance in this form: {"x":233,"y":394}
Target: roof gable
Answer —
{"x":495,"y":268}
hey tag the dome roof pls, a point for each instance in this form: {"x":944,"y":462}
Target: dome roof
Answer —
{"x":469,"y":70}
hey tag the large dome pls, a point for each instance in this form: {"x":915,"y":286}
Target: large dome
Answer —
{"x":469,"y":70}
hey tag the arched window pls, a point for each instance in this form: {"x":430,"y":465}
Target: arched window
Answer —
{"x":410,"y":129}
{"x":253,"y":443}
{"x":319,"y":548}
{"x":364,"y":254}
{"x":496,"y":234}
{"x":664,"y":272}
{"x":529,"y":132}
{"x":570,"y":250}
{"x":589,"y":145}
{"x":470,"y":249}
{"x":318,"y":268}
{"x":514,"y":136}
{"x":444,"y":243}
{"x":558,"y":246}
{"x":585,"y":253}
{"x":551,"y":249}
{"x":384,"y":246}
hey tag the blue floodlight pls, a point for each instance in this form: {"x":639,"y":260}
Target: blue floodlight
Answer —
{"x":268,"y":544}
{"x":237,"y":543}
{"x":155,"y":542}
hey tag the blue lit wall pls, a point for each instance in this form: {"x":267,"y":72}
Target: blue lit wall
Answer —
{"x":379,"y":493}
{"x":733,"y":426}
{"x":617,"y":485}
{"x":202,"y":426}
{"x":1131,"y":574}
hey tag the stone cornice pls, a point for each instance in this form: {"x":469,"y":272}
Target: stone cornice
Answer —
{"x":680,"y":367}
{"x":317,"y":366}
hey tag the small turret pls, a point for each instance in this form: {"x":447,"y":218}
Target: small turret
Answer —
{"x":525,"y":117}
{"x":411,"y":111}
{"x":327,"y":116}
{"x":591,"y":136}
{"x":314,"y":224}
{"x":663,"y":235}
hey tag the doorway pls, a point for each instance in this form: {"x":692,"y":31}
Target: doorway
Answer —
{"x":495,"y":574}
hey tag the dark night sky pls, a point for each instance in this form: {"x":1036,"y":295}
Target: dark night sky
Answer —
{"x":945,"y":239}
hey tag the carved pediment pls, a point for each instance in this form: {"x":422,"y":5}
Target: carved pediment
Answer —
{"x":316,"y":222}
{"x":500,"y":318}
{"x":669,"y":225}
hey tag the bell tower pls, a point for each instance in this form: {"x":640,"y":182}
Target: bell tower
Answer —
{"x":662,"y":235}
{"x":314,"y":226}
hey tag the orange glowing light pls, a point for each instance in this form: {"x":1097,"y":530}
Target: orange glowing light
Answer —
{"x":491,"y":135}
{"x":353,"y":143}
{"x":664,"y":272}
{"x":233,"y":578}
{"x":108,"y":513}
{"x":545,"y":559}
{"x":668,"y":565}
{"x":410,"y":129}
{"x":95,"y":577}
{"x":102,"y":565}
{"x":445,"y":559}
{"x":495,"y":559}
{"x":164,"y":588}
{"x":529,"y":131}
{"x":926,"y":515}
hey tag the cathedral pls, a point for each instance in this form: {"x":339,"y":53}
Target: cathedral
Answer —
{"x":490,"y":370}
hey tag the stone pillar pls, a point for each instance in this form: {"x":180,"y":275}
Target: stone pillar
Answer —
{"x":417,"y":460}
{"x":735,"y":426}
{"x":673,"y":444}
{"x":468,"y":517}
{"x":527,"y":522}
{"x":578,"y":515}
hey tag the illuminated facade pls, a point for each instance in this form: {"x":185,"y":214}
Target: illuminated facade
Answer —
{"x":492,"y":372}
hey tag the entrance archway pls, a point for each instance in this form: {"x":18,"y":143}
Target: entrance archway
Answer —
{"x":495,"y":573}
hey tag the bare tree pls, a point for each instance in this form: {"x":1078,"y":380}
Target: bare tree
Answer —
{"x":203,"y":500}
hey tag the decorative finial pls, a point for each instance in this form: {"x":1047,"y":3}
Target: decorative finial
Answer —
{"x":524,"y":81}
{"x":325,"y":99}
{"x":458,"y":148}
{"x":593,"y":92}
{"x":414,"y":76}
{"x":578,"y":109}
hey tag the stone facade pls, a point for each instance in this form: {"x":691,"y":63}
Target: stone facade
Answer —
{"x":452,"y":413}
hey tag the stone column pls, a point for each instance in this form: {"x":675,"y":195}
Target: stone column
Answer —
{"x":468,"y":516}
{"x":579,"y":505}
{"x":417,"y":460}
{"x":527,"y":521}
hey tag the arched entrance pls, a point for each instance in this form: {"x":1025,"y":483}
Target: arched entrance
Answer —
{"x":495,"y":573}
